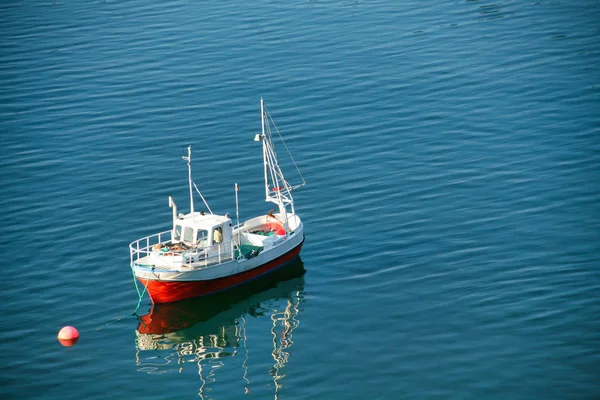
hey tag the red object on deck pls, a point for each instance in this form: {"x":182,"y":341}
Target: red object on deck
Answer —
{"x":274,"y":225}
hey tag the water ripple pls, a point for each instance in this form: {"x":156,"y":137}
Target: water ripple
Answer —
{"x":451,"y":212}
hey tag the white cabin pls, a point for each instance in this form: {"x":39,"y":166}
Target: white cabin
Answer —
{"x":211,"y":232}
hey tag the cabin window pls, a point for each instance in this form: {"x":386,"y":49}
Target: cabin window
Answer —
{"x":202,"y":235}
{"x":177,"y":232}
{"x":188,"y":234}
{"x":218,"y":235}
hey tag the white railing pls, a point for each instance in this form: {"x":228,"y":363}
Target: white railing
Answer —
{"x":199,"y":256}
{"x":142,"y":247}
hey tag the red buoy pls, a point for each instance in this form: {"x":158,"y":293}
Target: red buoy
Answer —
{"x":68,"y":336}
{"x":280,"y":232}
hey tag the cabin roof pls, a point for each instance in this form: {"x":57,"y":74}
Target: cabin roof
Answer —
{"x":202,"y":220}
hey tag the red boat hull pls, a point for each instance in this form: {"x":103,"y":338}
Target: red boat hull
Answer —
{"x":168,"y":291}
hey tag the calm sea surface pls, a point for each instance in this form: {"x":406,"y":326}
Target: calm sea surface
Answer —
{"x":452,"y":212}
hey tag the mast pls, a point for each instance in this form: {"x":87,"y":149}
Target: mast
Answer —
{"x":264,"y":146}
{"x":277,"y":188}
{"x":189,"y":163}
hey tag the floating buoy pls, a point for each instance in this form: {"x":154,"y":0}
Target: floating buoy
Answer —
{"x":68,"y":336}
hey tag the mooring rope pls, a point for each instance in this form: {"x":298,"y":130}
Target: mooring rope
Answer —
{"x":140,"y":295}
{"x":139,"y":303}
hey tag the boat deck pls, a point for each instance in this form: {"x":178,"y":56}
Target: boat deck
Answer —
{"x":167,"y":262}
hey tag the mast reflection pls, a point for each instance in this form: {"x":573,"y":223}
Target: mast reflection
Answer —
{"x":210,"y":329}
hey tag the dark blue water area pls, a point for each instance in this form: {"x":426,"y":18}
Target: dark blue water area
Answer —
{"x":452,"y":209}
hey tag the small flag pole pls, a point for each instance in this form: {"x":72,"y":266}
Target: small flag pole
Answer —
{"x":237,"y":209}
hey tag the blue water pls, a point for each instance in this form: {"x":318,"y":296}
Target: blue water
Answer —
{"x":452,"y":212}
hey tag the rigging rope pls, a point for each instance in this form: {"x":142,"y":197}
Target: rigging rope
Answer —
{"x":205,"y":203}
{"x":284,"y":145}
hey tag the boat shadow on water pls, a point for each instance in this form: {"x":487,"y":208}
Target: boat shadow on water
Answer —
{"x":201,"y":330}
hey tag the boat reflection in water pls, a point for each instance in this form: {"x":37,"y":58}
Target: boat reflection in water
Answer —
{"x":204,"y":331}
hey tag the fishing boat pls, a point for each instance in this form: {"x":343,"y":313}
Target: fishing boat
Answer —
{"x":204,"y":253}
